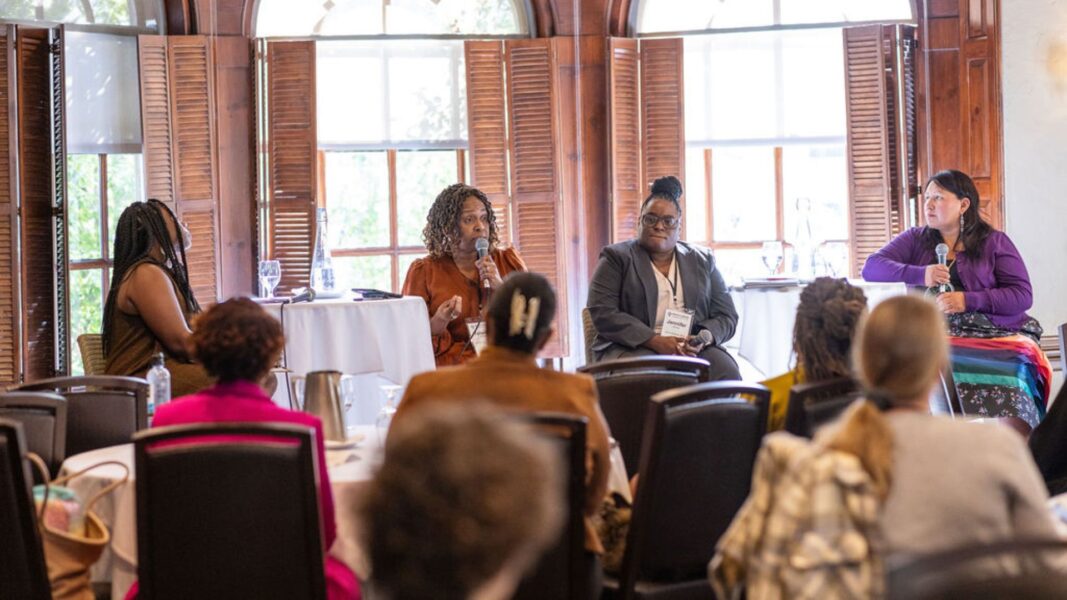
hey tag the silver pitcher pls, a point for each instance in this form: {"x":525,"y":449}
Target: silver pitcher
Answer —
{"x":320,"y":393}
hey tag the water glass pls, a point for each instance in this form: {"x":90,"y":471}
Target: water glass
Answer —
{"x":772,"y":256}
{"x":270,"y":273}
{"x":390,"y":399}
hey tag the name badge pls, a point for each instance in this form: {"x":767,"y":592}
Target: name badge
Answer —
{"x":476,"y":331}
{"x":677,"y":323}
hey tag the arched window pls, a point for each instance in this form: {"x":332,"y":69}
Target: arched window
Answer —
{"x":391,"y":114}
{"x":765,"y":122}
{"x":141,"y":14}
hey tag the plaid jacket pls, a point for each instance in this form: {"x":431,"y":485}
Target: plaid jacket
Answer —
{"x":808,"y":530}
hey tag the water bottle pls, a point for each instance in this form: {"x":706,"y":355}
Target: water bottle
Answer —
{"x":158,"y":385}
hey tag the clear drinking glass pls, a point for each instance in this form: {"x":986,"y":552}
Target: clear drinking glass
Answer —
{"x":390,"y":399}
{"x":772,"y":255}
{"x":270,"y":273}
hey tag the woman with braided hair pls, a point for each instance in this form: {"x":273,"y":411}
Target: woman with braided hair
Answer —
{"x":453,"y":281}
{"x":150,"y":302}
{"x":826,"y":322}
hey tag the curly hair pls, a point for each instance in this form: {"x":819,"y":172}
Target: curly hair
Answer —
{"x":462,"y":494}
{"x":237,"y":340}
{"x":826,"y":322}
{"x":442,"y":222}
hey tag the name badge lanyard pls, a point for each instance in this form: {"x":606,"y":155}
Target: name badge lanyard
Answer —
{"x":673,"y":282}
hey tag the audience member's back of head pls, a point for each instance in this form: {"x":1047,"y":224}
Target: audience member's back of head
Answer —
{"x":465,"y":500}
{"x":900,"y":349}
{"x":521,"y":312}
{"x":237,"y":340}
{"x":827,"y":317}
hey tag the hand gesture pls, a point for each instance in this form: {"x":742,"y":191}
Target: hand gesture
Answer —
{"x":936,"y":275}
{"x":447,"y":312}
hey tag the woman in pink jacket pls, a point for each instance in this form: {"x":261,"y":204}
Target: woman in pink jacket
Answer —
{"x":238,"y":343}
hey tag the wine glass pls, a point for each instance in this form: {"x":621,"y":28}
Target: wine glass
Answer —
{"x":270,"y":273}
{"x":390,"y":393}
{"x":772,"y":256}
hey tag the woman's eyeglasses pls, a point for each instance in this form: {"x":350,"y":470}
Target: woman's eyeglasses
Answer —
{"x":650,"y":220}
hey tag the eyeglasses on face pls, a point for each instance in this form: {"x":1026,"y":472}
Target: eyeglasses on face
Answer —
{"x":650,"y":220}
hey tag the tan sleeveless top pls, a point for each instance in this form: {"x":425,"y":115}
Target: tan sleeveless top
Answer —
{"x":132,"y":345}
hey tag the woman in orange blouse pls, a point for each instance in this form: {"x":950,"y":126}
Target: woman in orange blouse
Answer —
{"x":454,"y":282}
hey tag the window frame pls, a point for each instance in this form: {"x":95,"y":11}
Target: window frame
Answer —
{"x":393,"y":250}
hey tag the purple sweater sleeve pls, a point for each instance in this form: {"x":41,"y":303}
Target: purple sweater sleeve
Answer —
{"x":895,"y":261}
{"x":1012,"y":294}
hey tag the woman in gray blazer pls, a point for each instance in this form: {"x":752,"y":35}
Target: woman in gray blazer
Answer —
{"x":637,"y":282}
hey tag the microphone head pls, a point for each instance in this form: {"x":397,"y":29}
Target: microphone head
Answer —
{"x":941,"y":249}
{"x":481,"y":245}
{"x":705,"y":336}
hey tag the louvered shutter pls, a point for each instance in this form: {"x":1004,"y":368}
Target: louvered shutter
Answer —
{"x":537,"y":221}
{"x":181,"y":164}
{"x":487,"y":130}
{"x":869,"y":156}
{"x":35,"y":166}
{"x":292,"y":143}
{"x":10,"y":322}
{"x":662,"y":111}
{"x":624,"y":129}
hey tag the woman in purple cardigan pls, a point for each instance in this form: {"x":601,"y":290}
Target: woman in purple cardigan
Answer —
{"x":988,"y":299}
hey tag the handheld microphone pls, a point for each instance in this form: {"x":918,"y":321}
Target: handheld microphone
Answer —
{"x":942,"y":259}
{"x":481,"y":245}
{"x":307,"y":295}
{"x":701,"y":339}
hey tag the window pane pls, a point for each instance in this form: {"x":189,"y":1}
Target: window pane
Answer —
{"x":813,"y":81}
{"x":357,"y":198}
{"x":350,"y":80}
{"x":690,"y":15}
{"x":815,"y":175}
{"x":83,"y":190}
{"x":696,"y":200}
{"x":86,"y":309}
{"x":364,"y":271}
{"x":99,"y":12}
{"x":427,"y":92}
{"x":730,"y":87}
{"x":405,"y":264}
{"x":370,"y":17}
{"x":102,"y":93}
{"x":125,"y":185}
{"x":830,"y":11}
{"x":420,"y":176}
{"x":453,"y":16}
{"x":742,"y":181}
{"x":738,"y":265}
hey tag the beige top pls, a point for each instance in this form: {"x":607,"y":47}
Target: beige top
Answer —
{"x":669,"y":292}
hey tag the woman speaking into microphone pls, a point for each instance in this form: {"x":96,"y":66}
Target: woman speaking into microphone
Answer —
{"x":465,"y":264}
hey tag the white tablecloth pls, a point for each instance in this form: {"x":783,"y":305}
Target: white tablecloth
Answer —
{"x":767,"y":315}
{"x":118,"y":510}
{"x":379,"y":341}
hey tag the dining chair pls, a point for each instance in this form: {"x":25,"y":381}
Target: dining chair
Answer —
{"x":91,"y":346}
{"x":625,"y":385}
{"x":223,"y":514}
{"x":1048,"y":445}
{"x":696,"y":470}
{"x":563,"y":570}
{"x":23,"y":573}
{"x":589,"y":334}
{"x":804,"y":397}
{"x":1008,"y":569}
{"x":44,"y":423}
{"x":102,"y":410}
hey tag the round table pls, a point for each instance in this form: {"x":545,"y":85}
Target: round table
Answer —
{"x":349,"y":470}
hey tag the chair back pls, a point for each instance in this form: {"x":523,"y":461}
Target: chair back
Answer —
{"x":22,"y":569}
{"x":625,"y":386}
{"x":561,"y":571}
{"x":1008,"y":569}
{"x":696,"y":469}
{"x":104,"y":410}
{"x":803,"y":395}
{"x":221,"y":513}
{"x":1048,"y":444}
{"x":44,"y":423}
{"x":945,"y":399}
{"x":589,"y":333}
{"x":91,"y":346}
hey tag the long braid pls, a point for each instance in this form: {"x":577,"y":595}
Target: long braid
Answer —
{"x":140,"y":227}
{"x":826,"y":321}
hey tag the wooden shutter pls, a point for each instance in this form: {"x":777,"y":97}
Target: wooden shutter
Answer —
{"x":35,"y":169}
{"x":537,"y":222}
{"x":10,"y":313}
{"x":487,"y":129}
{"x":868,"y":126}
{"x":624,"y":130}
{"x":181,"y":164}
{"x":662,"y":111}
{"x":292,"y":144}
